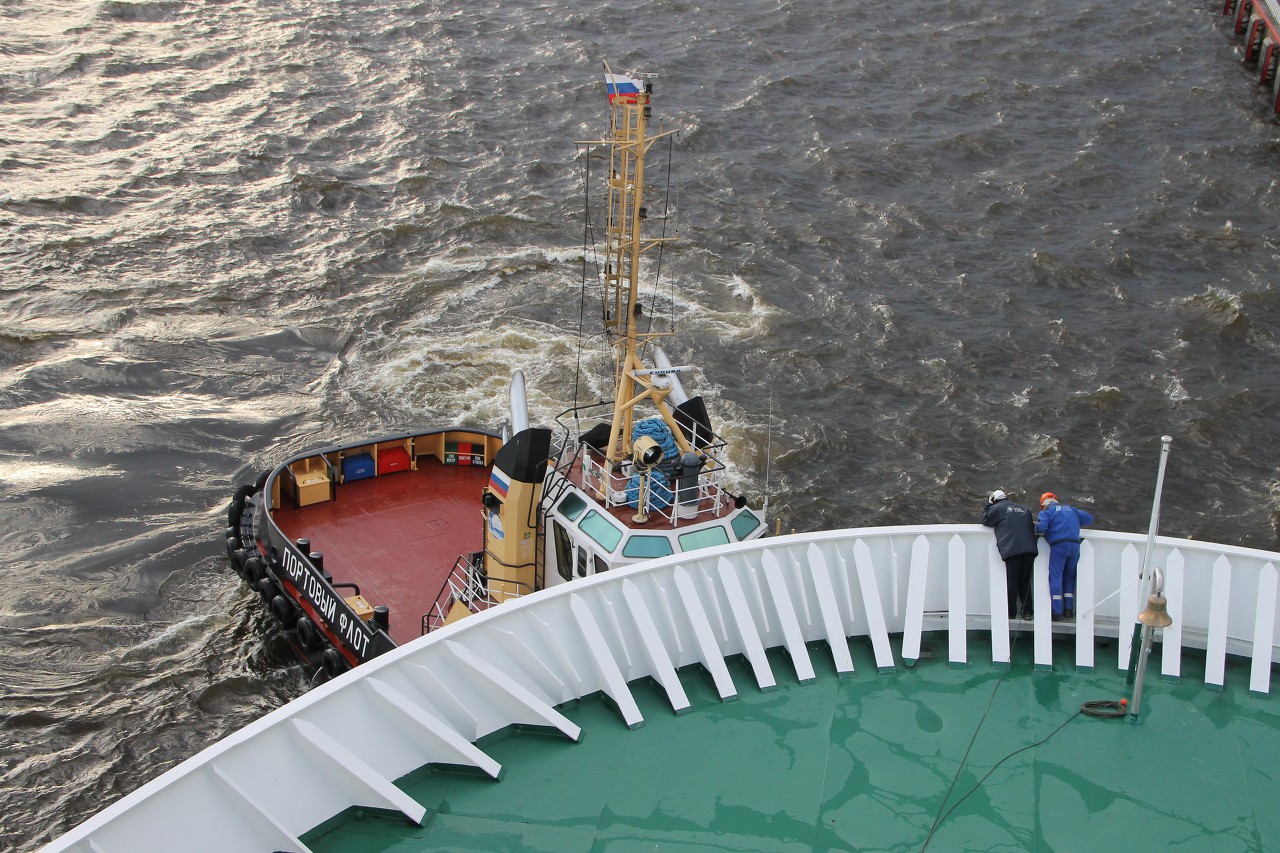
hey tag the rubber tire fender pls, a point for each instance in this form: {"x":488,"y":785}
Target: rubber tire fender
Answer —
{"x":284,"y":610}
{"x":308,"y":634}
{"x":334,"y":663}
{"x":267,"y":589}
{"x":236,"y":508}
{"x":252,"y":570}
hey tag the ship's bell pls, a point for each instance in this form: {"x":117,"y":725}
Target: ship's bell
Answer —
{"x":1156,"y":614}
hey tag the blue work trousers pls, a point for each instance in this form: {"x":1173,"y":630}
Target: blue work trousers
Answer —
{"x":1063,"y":558}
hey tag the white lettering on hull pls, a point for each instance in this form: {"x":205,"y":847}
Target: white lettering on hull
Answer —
{"x":350,"y":629}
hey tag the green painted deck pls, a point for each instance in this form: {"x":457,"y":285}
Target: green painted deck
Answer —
{"x":867,"y":763}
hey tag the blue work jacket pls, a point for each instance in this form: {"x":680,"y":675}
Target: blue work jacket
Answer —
{"x":1061,"y":523}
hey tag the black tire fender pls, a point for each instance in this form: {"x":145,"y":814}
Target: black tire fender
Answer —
{"x":308,"y":634}
{"x":267,"y":589}
{"x":334,"y":663}
{"x":254,"y":570}
{"x":284,"y":610}
{"x":236,"y":508}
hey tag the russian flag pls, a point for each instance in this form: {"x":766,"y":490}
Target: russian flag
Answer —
{"x":622,"y":86}
{"x":498,"y":483}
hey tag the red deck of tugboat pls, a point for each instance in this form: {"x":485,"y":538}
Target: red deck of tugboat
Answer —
{"x":396,"y":536}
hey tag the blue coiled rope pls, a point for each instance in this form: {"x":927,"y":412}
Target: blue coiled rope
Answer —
{"x":660,"y":495}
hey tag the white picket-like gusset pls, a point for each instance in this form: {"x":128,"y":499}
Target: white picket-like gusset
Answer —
{"x":345,"y":743}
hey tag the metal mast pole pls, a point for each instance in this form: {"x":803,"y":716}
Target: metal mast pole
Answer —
{"x":622,"y":269}
{"x":628,"y":145}
{"x":1154,"y":526}
{"x":1144,"y":628}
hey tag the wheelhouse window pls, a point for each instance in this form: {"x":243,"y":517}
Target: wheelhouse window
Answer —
{"x":744,"y":524}
{"x":564,"y":551}
{"x":572,"y":506}
{"x":647,"y":546}
{"x":708,"y":538}
{"x":605,"y":534}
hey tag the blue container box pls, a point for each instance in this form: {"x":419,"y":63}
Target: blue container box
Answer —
{"x":357,"y":467}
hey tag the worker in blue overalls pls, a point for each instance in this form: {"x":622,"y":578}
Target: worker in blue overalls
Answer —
{"x":1060,"y":525}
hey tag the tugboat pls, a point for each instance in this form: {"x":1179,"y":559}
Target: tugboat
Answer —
{"x":358,"y":548}
{"x":717,"y":679}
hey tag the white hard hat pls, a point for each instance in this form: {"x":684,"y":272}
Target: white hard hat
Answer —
{"x":998,"y":495}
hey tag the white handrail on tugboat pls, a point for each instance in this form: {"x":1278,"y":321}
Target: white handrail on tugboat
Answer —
{"x":431,"y":699}
{"x":611,"y":483}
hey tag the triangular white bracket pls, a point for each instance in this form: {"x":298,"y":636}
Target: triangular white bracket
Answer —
{"x":957,"y":606}
{"x":539,"y":712}
{"x":452,"y":747}
{"x":791,"y":635}
{"x":830,"y":610}
{"x":877,"y":628}
{"x":382,"y":790}
{"x":710,"y":651}
{"x":998,"y":602}
{"x":614,"y":683}
{"x":745,"y":623}
{"x":1215,"y":653}
{"x":1131,"y":602}
{"x":1085,"y":598}
{"x":1264,"y":624}
{"x":664,"y":671}
{"x":917,"y":581}
{"x":1171,"y":637}
{"x":287,"y":838}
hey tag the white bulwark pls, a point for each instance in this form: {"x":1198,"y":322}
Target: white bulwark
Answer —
{"x":428,"y":701}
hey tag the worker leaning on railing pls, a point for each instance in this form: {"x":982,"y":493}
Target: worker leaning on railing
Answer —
{"x":1060,"y":524}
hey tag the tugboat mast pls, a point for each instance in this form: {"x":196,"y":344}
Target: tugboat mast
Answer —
{"x":634,"y":381}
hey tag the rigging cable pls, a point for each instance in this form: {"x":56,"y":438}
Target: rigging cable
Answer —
{"x":657,"y":273}
{"x":1104,"y":708}
{"x":588,"y":248}
{"x":768,"y":460}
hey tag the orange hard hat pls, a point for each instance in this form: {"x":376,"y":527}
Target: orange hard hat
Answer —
{"x":1047,"y":496}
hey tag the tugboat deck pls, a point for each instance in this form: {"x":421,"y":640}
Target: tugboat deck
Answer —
{"x":396,"y":536}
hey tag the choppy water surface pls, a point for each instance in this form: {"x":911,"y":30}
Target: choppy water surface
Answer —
{"x":928,"y":249}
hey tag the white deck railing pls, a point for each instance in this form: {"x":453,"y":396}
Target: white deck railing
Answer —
{"x":613,"y":485}
{"x":344,"y":743}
